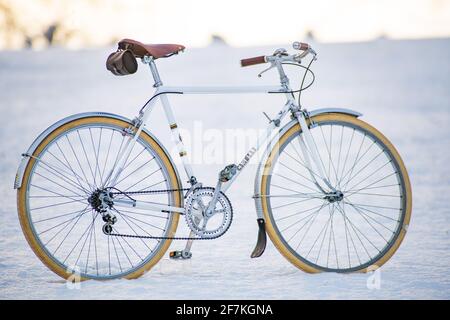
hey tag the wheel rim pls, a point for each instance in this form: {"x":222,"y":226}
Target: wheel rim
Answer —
{"x":92,"y":254}
{"x":366,"y":229}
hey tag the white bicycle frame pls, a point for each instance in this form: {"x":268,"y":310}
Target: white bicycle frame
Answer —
{"x":308,"y":147}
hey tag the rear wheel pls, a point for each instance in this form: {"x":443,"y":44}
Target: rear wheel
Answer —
{"x":357,"y":228}
{"x":59,"y":197}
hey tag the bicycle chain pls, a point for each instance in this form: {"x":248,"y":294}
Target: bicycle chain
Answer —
{"x":163,"y":238}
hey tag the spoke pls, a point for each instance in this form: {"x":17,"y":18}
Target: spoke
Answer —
{"x":346,"y":241}
{"x":385,"y":186}
{"x":368,"y":176}
{"x":373,"y":206}
{"x":123,"y":250}
{"x":330,"y":164}
{"x":320,"y":158}
{"x":373,"y":183}
{"x":318,"y":236}
{"x":374,"y":220}
{"x":90,"y":242}
{"x":305,"y":217}
{"x":291,"y":203}
{"x":126,"y":221}
{"x":109,"y":257}
{"x":78,"y":160}
{"x":346,"y":156}
{"x":365,"y":218}
{"x":69,"y":167}
{"x":351,"y":238}
{"x":146,"y":223}
{"x":374,"y":194}
{"x":117,"y":255}
{"x":299,"y":174}
{"x":339,"y":156}
{"x":86,"y":231}
{"x":354,"y":162}
{"x":98,"y":156}
{"x":87,"y":159}
{"x":56,"y":204}
{"x":106,"y":160}
{"x":295,"y":195}
{"x":144,"y":214}
{"x":287,"y":189}
{"x":329,"y":239}
{"x":56,"y":194}
{"x":372,"y":160}
{"x":67,"y":234}
{"x":310,"y":170}
{"x":134,"y":171}
{"x":58,"y":184}
{"x":115,"y":162}
{"x":379,"y":214}
{"x":95,"y":153}
{"x":300,"y":184}
{"x":360,"y":232}
{"x":307,"y":229}
{"x":95,"y":247}
{"x":334,"y":238}
{"x":358,"y":159}
{"x":151,"y":186}
{"x":147,"y":176}
{"x":51,"y":197}
{"x":132,"y":160}
{"x":130,"y":246}
{"x":356,"y":233}
{"x":59,"y":216}
{"x":59,"y":175}
{"x":67,"y":223}
{"x":80,"y":213}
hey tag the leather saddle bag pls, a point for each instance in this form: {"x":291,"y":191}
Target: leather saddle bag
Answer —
{"x":122,"y":62}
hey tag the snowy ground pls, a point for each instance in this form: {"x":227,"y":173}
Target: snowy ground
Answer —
{"x":402,"y":87}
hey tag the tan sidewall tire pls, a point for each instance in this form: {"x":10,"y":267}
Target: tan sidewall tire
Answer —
{"x":273,"y":234}
{"x":21,"y":197}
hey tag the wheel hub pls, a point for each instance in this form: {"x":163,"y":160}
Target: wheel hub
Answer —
{"x":334,"y":196}
{"x":101,"y":200}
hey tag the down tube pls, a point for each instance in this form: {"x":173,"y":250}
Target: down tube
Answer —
{"x":261,"y":141}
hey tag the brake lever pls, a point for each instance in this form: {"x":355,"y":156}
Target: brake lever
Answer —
{"x":265,"y":70}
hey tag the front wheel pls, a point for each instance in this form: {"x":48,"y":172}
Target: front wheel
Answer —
{"x":58,"y":202}
{"x":356,"y":229}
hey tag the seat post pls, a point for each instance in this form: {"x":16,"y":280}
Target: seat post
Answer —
{"x":154,"y":70}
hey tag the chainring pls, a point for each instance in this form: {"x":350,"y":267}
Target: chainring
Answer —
{"x":216,"y":224}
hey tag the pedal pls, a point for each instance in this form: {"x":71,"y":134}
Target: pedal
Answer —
{"x":180,"y":254}
{"x":227,"y":173}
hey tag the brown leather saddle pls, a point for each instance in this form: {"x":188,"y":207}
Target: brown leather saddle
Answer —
{"x":140,"y":49}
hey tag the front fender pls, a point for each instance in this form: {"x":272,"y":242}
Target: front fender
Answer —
{"x":289,"y":125}
{"x":25,"y":159}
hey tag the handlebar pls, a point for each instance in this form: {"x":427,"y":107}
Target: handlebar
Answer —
{"x":252,"y":61}
{"x":281,"y":54}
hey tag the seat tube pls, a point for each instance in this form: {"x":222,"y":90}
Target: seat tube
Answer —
{"x":176,"y":136}
{"x":170,"y":117}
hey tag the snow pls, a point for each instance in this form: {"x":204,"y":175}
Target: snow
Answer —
{"x":401,"y":87}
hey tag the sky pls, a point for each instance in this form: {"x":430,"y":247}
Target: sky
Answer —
{"x":84,"y":23}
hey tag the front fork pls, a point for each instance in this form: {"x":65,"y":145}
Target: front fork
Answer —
{"x":309,"y":151}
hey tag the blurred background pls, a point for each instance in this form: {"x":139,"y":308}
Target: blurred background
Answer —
{"x":386,"y":59}
{"x":87,"y":23}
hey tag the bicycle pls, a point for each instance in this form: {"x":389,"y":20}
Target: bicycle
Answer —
{"x":98,"y":194}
